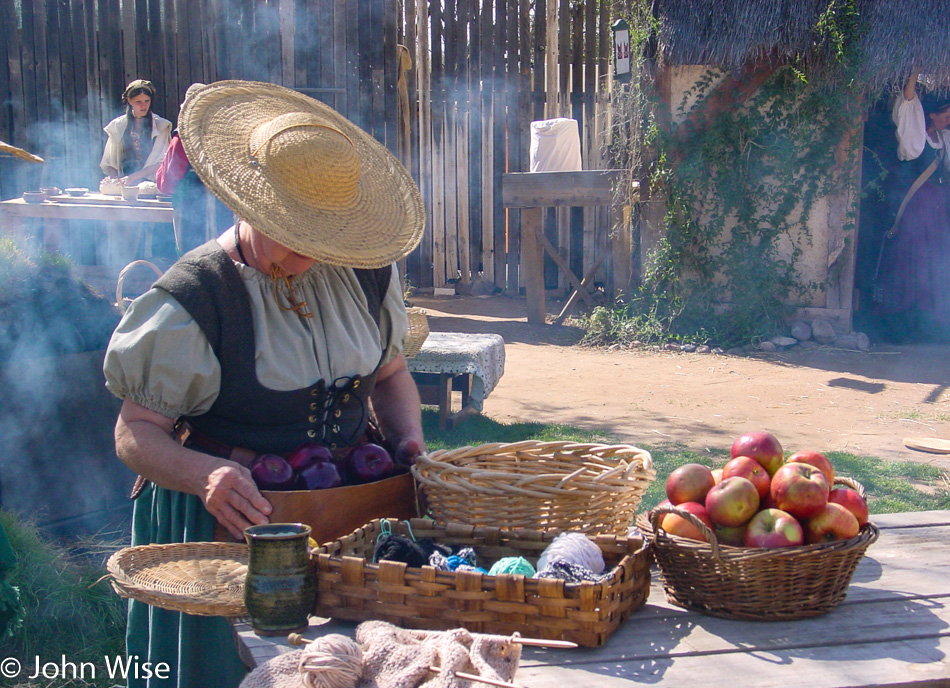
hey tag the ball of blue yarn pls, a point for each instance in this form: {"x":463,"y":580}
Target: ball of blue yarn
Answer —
{"x":518,"y":566}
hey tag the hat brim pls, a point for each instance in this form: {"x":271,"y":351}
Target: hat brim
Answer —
{"x":383,"y":225}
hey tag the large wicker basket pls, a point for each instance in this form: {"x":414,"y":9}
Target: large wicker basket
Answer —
{"x":588,"y":488}
{"x":202,"y":578}
{"x":754,"y":583}
{"x":350,"y":586}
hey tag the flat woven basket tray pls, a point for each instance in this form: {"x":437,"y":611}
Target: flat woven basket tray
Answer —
{"x":754,"y":583}
{"x":350,"y":586}
{"x":202,"y":578}
{"x":587,"y":488}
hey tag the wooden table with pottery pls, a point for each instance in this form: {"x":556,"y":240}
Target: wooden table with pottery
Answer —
{"x":893,"y":629}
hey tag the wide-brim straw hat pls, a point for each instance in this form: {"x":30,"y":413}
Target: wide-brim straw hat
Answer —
{"x":302,"y":174}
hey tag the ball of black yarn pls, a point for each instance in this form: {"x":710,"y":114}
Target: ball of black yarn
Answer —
{"x":413,"y":553}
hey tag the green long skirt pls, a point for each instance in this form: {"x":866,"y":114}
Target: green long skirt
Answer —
{"x":199,"y":650}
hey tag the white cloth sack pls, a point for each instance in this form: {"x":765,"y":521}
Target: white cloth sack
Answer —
{"x":555,"y":145}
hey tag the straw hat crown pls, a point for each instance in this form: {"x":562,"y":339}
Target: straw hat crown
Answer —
{"x":302,"y":174}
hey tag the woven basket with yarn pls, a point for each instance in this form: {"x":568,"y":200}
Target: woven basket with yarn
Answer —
{"x":587,"y":488}
{"x":750,"y":582}
{"x":418,"y":331}
{"x":350,"y":586}
{"x":202,"y":578}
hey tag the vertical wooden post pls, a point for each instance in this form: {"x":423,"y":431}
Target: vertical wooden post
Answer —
{"x":532,"y":264}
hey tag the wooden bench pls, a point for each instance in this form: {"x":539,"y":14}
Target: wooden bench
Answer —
{"x":449,"y":362}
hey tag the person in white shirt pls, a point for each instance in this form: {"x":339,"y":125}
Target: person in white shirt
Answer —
{"x":913,"y":281}
{"x":137,"y":140}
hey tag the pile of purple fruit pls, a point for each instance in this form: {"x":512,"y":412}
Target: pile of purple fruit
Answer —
{"x":313,"y":466}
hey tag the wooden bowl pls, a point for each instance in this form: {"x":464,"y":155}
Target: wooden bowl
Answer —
{"x":77,"y":191}
{"x":34,"y":196}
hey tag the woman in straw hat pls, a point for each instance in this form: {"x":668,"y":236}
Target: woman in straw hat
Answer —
{"x":283,"y":330}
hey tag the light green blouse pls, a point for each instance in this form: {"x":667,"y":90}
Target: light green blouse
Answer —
{"x":159,"y":358}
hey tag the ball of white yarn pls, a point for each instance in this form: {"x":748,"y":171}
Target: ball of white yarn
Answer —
{"x":333,"y":661}
{"x":574,"y":548}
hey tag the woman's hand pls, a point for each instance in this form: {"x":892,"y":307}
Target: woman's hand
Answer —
{"x":231,"y":496}
{"x":144,"y":442}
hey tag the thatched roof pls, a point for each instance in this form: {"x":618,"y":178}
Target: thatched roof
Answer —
{"x":890,"y":36}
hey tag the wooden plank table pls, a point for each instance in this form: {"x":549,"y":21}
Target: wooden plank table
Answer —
{"x":48,"y":225}
{"x":893,"y":629}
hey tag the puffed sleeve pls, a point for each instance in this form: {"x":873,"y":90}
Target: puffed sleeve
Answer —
{"x":393,"y":320}
{"x":112,"y":154}
{"x":911,"y":124}
{"x":159,"y":358}
{"x":161,"y":137}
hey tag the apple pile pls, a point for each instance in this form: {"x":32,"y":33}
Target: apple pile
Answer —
{"x":761,"y":499}
{"x":313,"y":466}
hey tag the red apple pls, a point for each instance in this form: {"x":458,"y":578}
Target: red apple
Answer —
{"x":773,"y":528}
{"x":819,"y":461}
{"x":730,"y":535}
{"x":852,"y":501}
{"x":366,"y":463}
{"x":308,"y":453}
{"x":751,"y":470}
{"x":732,"y":502}
{"x":272,"y":472}
{"x":674,"y":524}
{"x":689,"y":483}
{"x":761,"y":446}
{"x":799,"y":489}
{"x":833,"y":522}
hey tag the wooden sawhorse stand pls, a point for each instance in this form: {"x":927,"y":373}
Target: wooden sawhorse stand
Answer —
{"x":534,"y":191}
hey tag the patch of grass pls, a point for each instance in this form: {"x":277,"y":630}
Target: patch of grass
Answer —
{"x":68,"y":610}
{"x":890,"y":485}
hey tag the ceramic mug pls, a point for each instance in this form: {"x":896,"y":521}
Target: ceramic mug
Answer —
{"x":130,"y":193}
{"x":279,"y":590}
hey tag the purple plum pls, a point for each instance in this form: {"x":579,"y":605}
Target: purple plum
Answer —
{"x":366,"y":463}
{"x":319,"y":475}
{"x":307,"y":454}
{"x":272,"y":472}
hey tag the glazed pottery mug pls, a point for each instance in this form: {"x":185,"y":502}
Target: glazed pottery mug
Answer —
{"x":279,"y":591}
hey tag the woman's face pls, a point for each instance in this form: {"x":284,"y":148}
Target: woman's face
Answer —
{"x":140,"y":104}
{"x":291,"y":262}
{"x":941,"y":120}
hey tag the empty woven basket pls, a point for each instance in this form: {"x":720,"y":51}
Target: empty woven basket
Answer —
{"x":418,"y":331}
{"x":588,"y":488}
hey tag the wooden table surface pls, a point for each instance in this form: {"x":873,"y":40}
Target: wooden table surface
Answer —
{"x":92,"y":206}
{"x":893,"y":629}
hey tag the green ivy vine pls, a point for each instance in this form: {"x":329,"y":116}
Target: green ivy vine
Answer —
{"x":739,"y":189}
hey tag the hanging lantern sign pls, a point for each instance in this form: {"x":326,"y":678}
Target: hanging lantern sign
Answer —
{"x":621,"y":31}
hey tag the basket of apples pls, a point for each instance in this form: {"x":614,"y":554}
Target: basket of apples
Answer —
{"x":764,"y":538}
{"x":334,"y":492}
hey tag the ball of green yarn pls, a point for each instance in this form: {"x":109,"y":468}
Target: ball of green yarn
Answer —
{"x":518,"y":566}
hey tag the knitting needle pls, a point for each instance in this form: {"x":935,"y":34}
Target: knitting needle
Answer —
{"x":480,"y":679}
{"x":535,"y":642}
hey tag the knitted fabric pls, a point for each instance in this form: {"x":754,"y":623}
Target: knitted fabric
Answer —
{"x":399,"y":658}
{"x":570,"y":573}
{"x":390,"y":657}
{"x":413,"y":553}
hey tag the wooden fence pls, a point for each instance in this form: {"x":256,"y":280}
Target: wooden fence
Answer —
{"x":481,"y":71}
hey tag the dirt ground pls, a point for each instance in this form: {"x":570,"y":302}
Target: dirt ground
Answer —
{"x":825,"y":399}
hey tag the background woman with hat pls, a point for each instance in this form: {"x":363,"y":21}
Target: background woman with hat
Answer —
{"x":287,"y":328}
{"x":137,"y":140}
{"x":914,"y":262}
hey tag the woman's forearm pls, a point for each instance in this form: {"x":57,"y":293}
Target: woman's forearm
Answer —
{"x":910,"y":86}
{"x":144,"y":442}
{"x":397,"y":407}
